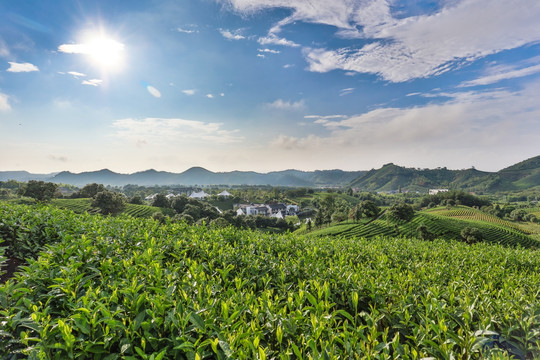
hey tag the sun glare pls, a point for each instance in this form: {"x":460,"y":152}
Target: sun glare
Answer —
{"x":105,"y":52}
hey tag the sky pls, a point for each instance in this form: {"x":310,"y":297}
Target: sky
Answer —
{"x":268,"y":85}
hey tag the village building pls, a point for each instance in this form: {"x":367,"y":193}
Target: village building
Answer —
{"x":201,"y":195}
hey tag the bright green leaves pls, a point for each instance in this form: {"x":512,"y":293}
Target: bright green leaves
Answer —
{"x":110,"y":288}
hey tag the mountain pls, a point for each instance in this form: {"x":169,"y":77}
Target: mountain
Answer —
{"x":200,"y":176}
{"x":23,"y":176}
{"x":523,"y":175}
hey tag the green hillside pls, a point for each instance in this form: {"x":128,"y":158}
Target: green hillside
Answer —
{"x":445,"y":224}
{"x":84,"y":205}
{"x":523,"y":175}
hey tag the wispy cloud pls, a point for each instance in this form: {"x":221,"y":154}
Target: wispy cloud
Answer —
{"x":171,"y":131}
{"x":4,"y":102}
{"x":92,"y":82}
{"x":210,"y":96}
{"x":61,"y":158}
{"x":272,"y":39}
{"x":188,"y":29}
{"x":236,"y":35}
{"x":261,"y":56}
{"x":189,"y":92}
{"x":287,"y":105}
{"x":76,"y":74}
{"x":21,"y":67}
{"x":346,"y":91}
{"x":4,"y":50}
{"x":496,"y":75}
{"x":287,"y":66}
{"x":271,"y":51}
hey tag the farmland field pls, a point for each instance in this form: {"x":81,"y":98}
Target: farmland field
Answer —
{"x":126,"y":288}
{"x":443,"y":223}
{"x":84,"y":205}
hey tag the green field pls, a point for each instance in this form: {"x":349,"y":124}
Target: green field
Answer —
{"x":446,"y":224}
{"x":84,"y":205}
{"x":128,"y":288}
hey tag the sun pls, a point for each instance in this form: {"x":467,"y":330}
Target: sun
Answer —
{"x":105,"y":52}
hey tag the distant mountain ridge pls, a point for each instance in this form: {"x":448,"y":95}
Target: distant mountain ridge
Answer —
{"x":523,"y":175}
{"x":194,"y":176}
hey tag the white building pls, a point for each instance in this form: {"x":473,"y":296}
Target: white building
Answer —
{"x":201,"y":195}
{"x":436,"y":191}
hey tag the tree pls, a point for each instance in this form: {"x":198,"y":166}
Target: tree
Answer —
{"x":91,"y":190}
{"x":39,"y":190}
{"x":518,"y":215}
{"x":402,"y":211}
{"x":369,"y":208}
{"x":109,"y":202}
{"x":424,"y":233}
{"x":471,"y":235}
{"x":136,"y":200}
{"x":161,"y":201}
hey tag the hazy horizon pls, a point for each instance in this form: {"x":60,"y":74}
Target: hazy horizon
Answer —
{"x":266,"y":85}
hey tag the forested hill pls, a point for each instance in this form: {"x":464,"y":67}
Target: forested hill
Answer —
{"x":523,"y":175}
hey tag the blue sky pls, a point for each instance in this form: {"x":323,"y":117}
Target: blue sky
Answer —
{"x":268,"y":84}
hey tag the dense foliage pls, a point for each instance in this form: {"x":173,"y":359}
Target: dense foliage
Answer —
{"x":125,"y":288}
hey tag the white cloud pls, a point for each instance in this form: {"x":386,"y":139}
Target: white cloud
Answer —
{"x":496,"y":76}
{"x":227,"y":34}
{"x":187,"y":31}
{"x":189,"y":92}
{"x":287,"y":66}
{"x":4,"y":102}
{"x":469,"y":128}
{"x":287,"y":105}
{"x":261,"y":56}
{"x":222,"y":94}
{"x":210,"y":96}
{"x":21,"y":67}
{"x":76,"y":74}
{"x":153,"y":91}
{"x":92,"y":82}
{"x":272,"y":39}
{"x":173,"y":132}
{"x":271,"y":51}
{"x":405,"y":48}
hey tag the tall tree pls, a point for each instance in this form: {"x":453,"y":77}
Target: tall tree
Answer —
{"x":39,"y":190}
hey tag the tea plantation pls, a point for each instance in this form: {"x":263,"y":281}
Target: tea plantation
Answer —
{"x":126,"y":288}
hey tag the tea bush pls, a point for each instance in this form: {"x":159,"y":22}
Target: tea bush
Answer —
{"x":125,"y":288}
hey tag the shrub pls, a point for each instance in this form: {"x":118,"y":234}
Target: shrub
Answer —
{"x":471,"y":235}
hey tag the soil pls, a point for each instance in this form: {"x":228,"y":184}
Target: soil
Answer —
{"x":9,"y":268}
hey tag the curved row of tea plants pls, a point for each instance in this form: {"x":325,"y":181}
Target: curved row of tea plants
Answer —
{"x":446,"y":227}
{"x":125,"y":288}
{"x":466,"y":213}
{"x":84,"y":205}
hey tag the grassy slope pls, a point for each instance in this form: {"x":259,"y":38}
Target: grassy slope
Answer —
{"x":446,"y":224}
{"x":84,"y":205}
